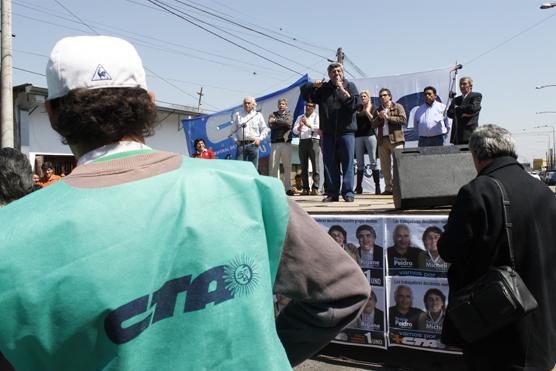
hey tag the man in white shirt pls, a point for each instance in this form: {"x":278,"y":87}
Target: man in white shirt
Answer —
{"x":249,"y":130}
{"x":430,"y":120}
{"x":307,"y":127}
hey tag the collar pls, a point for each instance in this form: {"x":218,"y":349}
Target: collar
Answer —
{"x":110,"y":149}
{"x":498,"y":163}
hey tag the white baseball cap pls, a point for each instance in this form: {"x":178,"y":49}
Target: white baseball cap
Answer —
{"x":93,"y":62}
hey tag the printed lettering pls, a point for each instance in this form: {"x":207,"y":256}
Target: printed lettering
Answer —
{"x":114,"y":320}
{"x":165,"y":297}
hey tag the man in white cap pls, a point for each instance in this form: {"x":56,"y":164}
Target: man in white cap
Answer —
{"x":119,"y":268}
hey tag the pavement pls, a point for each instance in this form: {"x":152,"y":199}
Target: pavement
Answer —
{"x":324,"y":363}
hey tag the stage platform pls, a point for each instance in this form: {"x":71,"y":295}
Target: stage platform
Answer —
{"x":365,"y":204}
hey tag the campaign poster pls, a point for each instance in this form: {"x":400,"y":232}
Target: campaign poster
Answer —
{"x":369,"y":328}
{"x":412,"y":246}
{"x":416,"y":312}
{"x":362,"y":238}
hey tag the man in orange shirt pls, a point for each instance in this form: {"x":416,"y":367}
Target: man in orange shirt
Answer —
{"x":49,"y":176}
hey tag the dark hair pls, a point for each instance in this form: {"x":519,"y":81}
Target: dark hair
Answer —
{"x":197,"y":142}
{"x":339,"y":228}
{"x":430,"y":229}
{"x":386,"y":90}
{"x":333,"y":65}
{"x":16,"y":179}
{"x":102,"y":116}
{"x":365,"y":227}
{"x":434,"y":291}
{"x":430,"y":88}
{"x":47,"y":165}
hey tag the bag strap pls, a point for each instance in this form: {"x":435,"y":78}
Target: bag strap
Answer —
{"x":507,"y":221}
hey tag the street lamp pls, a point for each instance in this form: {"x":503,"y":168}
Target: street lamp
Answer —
{"x":547,"y":5}
{"x":544,"y":86}
{"x":553,"y":138}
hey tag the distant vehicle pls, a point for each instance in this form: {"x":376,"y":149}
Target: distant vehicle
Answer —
{"x":550,"y":178}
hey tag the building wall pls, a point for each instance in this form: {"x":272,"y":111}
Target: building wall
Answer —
{"x":38,"y":137}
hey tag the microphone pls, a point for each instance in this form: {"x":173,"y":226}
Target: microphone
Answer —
{"x":338,"y":81}
{"x":457,"y":67}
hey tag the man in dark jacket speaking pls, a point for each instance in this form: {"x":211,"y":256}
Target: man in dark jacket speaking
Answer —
{"x":338,"y":100}
{"x":474,"y":240}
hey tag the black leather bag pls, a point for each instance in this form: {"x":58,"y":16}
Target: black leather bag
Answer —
{"x":496,"y":299}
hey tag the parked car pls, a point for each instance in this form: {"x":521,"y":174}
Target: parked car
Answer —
{"x":550,"y":178}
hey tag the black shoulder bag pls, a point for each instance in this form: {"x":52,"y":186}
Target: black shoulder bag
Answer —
{"x":496,"y":299}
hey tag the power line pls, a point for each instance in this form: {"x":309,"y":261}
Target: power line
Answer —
{"x":224,"y":38}
{"x":238,"y":37}
{"x":76,"y":17}
{"x":146,"y":68}
{"x":151,"y":45}
{"x":293,"y":38}
{"x":250,"y":29}
{"x":510,"y":39}
{"x":28,"y":71}
{"x":355,"y":67}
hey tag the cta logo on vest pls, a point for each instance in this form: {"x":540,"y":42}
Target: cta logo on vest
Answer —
{"x":216,"y":285}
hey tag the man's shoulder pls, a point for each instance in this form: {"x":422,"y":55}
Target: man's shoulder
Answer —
{"x":439,"y":105}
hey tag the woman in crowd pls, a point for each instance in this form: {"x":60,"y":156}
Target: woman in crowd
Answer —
{"x":365,"y":139}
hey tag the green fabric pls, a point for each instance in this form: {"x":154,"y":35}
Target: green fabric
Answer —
{"x":69,"y":257}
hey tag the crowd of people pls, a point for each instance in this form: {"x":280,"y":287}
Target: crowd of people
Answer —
{"x":121,"y":268}
{"x":347,"y":127}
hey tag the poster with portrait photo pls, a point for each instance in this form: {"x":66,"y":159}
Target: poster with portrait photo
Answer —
{"x":412,"y":246}
{"x":369,"y":328}
{"x":416,"y":311}
{"x":362,"y":238}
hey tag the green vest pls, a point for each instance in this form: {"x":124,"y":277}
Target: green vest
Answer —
{"x":171,"y":272}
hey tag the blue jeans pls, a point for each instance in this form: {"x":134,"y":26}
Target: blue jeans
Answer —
{"x":336,"y":151}
{"x":368,"y":143}
{"x":437,"y":140}
{"x":251,"y":154}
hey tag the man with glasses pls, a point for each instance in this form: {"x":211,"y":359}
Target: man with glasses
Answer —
{"x":430,"y":122}
{"x":338,"y":100}
{"x":307,"y":128}
{"x":389,"y":119}
{"x":464,"y":110}
{"x":249,"y":130}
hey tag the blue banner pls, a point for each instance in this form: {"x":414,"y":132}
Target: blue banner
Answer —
{"x":216,"y":129}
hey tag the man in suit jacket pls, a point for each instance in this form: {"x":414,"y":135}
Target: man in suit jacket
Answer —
{"x":464,"y":110}
{"x":474,"y":240}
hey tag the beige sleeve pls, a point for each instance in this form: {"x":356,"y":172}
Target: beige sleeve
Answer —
{"x":327,"y":288}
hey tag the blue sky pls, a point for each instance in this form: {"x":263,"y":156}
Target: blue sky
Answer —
{"x":380,"y":38}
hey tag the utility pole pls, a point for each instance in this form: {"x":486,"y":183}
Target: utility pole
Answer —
{"x":7,"y":114}
{"x":200,"y":94}
{"x":340,"y":56}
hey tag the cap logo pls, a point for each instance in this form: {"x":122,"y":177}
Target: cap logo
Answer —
{"x":101,"y":74}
